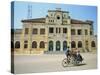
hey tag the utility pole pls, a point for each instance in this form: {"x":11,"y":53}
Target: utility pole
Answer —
{"x":29,"y":16}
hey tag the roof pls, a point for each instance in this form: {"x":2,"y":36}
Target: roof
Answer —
{"x":73,"y":21}
{"x":37,"y":20}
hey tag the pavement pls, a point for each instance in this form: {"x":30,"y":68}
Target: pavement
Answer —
{"x":50,"y":63}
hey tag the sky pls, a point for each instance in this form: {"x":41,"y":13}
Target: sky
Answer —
{"x":39,"y":10}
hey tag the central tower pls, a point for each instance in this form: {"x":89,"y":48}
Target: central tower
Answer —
{"x":58,"y":17}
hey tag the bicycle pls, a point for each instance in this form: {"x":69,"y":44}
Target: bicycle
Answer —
{"x":71,"y":61}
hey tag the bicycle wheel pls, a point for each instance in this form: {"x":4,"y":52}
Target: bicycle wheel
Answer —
{"x":65,"y":62}
{"x":76,"y":62}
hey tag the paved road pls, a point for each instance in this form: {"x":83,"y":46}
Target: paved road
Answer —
{"x":50,"y":63}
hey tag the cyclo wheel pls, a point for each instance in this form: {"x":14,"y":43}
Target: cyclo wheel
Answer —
{"x":76,"y":63}
{"x":66,"y":62}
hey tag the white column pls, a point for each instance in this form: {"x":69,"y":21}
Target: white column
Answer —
{"x":61,"y":45}
{"x":54,"y":45}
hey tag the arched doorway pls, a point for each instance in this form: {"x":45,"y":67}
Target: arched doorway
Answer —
{"x":79,"y":44}
{"x":50,"y":45}
{"x":57,"y":45}
{"x":17,"y":44}
{"x":93,"y":44}
{"x":64,"y":45}
{"x":42,"y":44}
{"x":34,"y":44}
{"x":73,"y":44}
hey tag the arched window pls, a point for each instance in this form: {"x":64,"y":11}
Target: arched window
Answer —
{"x":42,"y":44}
{"x":79,"y":44}
{"x":64,"y":45}
{"x":17,"y":44}
{"x":92,"y":44}
{"x":73,"y":44}
{"x":57,"y":45}
{"x":34,"y":44}
{"x":50,"y":45}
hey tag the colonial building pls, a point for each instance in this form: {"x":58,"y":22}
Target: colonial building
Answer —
{"x":54,"y":33}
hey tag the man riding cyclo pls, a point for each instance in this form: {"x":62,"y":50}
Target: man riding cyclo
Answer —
{"x":75,"y":54}
{"x":68,"y":53}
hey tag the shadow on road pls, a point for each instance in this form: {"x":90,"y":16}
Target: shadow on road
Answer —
{"x":81,"y":64}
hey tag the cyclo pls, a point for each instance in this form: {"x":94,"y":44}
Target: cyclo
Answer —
{"x":73,"y":58}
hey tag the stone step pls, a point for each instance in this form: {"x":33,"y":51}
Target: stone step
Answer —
{"x":28,"y":52}
{"x":54,"y":52}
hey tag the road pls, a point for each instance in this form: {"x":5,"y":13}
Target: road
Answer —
{"x":50,"y":63}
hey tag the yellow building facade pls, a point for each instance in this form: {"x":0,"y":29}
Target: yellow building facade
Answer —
{"x":54,"y":33}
